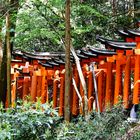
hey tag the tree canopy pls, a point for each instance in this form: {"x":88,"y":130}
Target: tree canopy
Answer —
{"x":40,"y":24}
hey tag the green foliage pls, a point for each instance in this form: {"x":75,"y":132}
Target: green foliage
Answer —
{"x":110,"y":125}
{"x":41,"y":24}
{"x":136,"y":136}
{"x":27,"y":122}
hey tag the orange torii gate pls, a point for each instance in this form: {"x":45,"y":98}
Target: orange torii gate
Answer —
{"x":136,"y":92}
{"x":40,"y":71}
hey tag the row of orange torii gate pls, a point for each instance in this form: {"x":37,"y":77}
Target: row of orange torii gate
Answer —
{"x":117,"y":71}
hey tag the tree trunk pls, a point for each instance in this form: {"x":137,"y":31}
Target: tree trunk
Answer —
{"x":2,"y":64}
{"x":114,"y":7}
{"x":2,"y":96}
{"x":14,"y":4}
{"x":3,"y":78}
{"x":67,"y":62}
{"x":8,"y":47}
{"x":10,"y":34}
{"x":114,"y":13}
{"x":1,"y":51}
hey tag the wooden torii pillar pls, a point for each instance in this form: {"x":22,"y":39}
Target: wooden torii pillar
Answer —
{"x":136,"y":92}
{"x":75,"y":100}
{"x":124,"y":54}
{"x":118,"y":79}
{"x":109,"y":82}
{"x":61,"y":95}
{"x":127,"y":82}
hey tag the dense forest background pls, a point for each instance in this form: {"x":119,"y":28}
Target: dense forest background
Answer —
{"x":38,"y":25}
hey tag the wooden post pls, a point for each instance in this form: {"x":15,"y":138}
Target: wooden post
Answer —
{"x":127,"y":82}
{"x":136,"y":78}
{"x":43,"y":94}
{"x":75,"y":100}
{"x":61,"y":97}
{"x":108,"y":84}
{"x":13,"y":91}
{"x":39,"y":82}
{"x":90,"y":91}
{"x":55,"y":85}
{"x":25,"y":87}
{"x":136,"y":91}
{"x":101,"y":89}
{"x":34,"y":88}
{"x":118,"y":81}
{"x":82,"y":95}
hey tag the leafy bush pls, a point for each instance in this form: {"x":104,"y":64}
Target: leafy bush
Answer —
{"x":110,"y":125}
{"x":28,"y":122}
{"x":34,"y":122}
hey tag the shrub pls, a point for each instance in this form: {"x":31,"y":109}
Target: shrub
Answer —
{"x":26,"y":122}
{"x":32,"y":122}
{"x":110,"y":125}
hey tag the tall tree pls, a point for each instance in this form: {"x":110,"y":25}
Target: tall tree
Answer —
{"x":14,"y":5}
{"x":9,"y":10}
{"x":8,"y":56}
{"x":67,"y":62}
{"x":3,"y":71}
{"x":1,"y":51}
{"x":10,"y":34}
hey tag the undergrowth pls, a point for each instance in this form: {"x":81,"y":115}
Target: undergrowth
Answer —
{"x":28,"y":122}
{"x":33,"y":122}
{"x":110,"y":125}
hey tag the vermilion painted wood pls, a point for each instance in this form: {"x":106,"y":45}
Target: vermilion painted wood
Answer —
{"x":90,"y":87}
{"x":43,"y":92}
{"x":55,"y":89}
{"x":26,"y":85}
{"x":118,"y":78}
{"x":108,"y":85}
{"x":101,"y":90}
{"x":84,"y":70}
{"x":123,"y":62}
{"x":75,"y":99}
{"x":136,"y":91}
{"x":13,"y":88}
{"x":127,"y":82}
{"x":61,"y":97}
